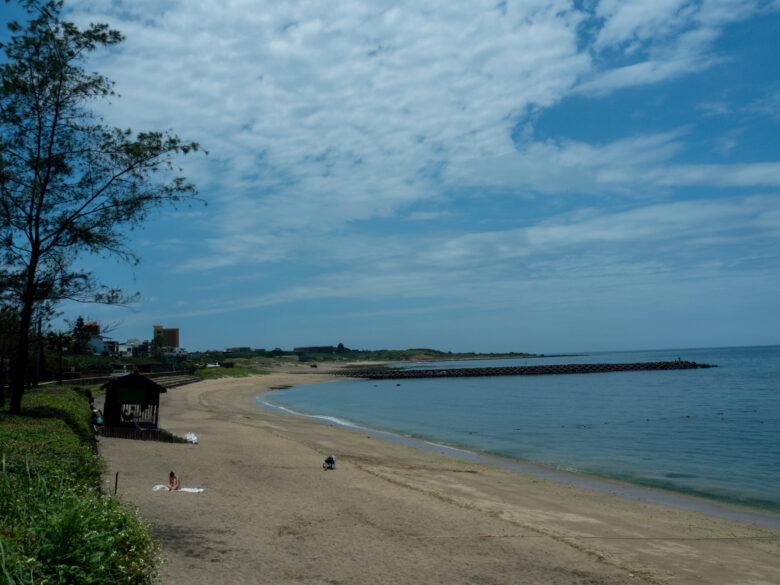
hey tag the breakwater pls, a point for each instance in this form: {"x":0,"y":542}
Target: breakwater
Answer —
{"x":547,"y":370}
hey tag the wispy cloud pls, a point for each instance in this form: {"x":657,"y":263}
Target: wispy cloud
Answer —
{"x":672,"y":240}
{"x":664,"y":39}
{"x":387,"y":150}
{"x":318,"y":116}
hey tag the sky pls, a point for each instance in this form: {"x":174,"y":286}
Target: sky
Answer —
{"x":541,"y":176}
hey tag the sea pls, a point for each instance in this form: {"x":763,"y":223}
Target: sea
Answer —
{"x":711,"y":432}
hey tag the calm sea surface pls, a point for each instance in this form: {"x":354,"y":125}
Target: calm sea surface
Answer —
{"x":711,"y":432}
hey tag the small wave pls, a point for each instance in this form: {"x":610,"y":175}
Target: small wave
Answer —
{"x":447,"y":447}
{"x":331,"y":419}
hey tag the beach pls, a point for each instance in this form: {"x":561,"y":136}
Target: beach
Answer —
{"x":389,"y":513}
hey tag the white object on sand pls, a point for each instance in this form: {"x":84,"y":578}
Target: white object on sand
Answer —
{"x":160,"y":487}
{"x":191,"y":438}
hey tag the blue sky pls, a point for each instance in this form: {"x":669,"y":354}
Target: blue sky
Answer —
{"x":540,"y":176}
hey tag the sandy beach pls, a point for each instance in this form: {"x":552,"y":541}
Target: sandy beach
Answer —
{"x":393,"y":514}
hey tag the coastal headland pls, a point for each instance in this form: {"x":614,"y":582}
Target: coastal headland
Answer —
{"x":389,"y":513}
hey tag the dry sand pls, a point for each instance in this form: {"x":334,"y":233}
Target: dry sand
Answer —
{"x":393,"y":514}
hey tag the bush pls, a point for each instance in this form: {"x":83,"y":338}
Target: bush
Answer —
{"x":57,"y":532}
{"x":55,"y":525}
{"x":52,"y":435}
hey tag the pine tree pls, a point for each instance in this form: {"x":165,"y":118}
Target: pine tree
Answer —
{"x":69,"y":183}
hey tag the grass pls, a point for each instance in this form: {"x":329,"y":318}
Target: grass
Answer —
{"x":235,"y":372}
{"x":55,"y":525}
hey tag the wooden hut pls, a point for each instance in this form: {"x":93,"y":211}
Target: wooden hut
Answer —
{"x":132,"y":401}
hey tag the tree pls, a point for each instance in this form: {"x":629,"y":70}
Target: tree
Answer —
{"x":157,"y":348}
{"x":9,"y":332}
{"x":80,"y":336}
{"x":58,"y":341}
{"x":69,"y":183}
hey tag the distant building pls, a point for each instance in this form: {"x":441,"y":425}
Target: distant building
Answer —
{"x":129,"y":348}
{"x":97,"y":345}
{"x":171,"y":336}
{"x":239,"y":349}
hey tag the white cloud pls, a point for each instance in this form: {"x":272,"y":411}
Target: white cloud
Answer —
{"x":326,"y":114}
{"x":628,"y":20}
{"x":639,"y":165}
{"x":319,"y":115}
{"x":670,"y":221}
{"x":768,"y":105}
{"x":644,"y":73}
{"x":666,"y":38}
{"x":326,"y":122}
{"x":590,"y":250}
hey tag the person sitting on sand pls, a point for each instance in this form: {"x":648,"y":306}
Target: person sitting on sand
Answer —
{"x":173,"y":482}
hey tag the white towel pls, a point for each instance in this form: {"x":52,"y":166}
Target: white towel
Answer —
{"x":160,"y":487}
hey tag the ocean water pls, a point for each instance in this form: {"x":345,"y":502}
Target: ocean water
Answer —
{"x":710,"y":432}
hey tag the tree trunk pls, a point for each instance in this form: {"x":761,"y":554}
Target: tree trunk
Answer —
{"x":59,"y":366}
{"x":2,"y":380}
{"x":38,"y":356}
{"x":19,"y":365}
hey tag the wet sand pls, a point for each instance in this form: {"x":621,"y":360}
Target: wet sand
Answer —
{"x":390,"y":513}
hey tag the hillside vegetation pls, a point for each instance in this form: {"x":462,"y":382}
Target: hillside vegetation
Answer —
{"x":56,"y":527}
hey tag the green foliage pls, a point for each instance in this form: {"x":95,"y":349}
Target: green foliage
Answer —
{"x":187,"y":366}
{"x":69,"y":183}
{"x":80,"y":337}
{"x":341,"y":353}
{"x":239,"y":372}
{"x":55,"y":526}
{"x":156,"y":348}
{"x":58,"y":532}
{"x":52,"y":435}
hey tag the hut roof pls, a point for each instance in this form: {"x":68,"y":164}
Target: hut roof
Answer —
{"x":132,"y":400}
{"x":133,"y":380}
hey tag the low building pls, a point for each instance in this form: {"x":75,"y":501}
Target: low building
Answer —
{"x":129,"y":348}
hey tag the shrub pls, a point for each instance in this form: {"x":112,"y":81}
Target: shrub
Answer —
{"x":57,"y":532}
{"x":55,"y":525}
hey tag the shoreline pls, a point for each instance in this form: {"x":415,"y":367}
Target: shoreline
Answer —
{"x":390,"y":513}
{"x":701,"y":504}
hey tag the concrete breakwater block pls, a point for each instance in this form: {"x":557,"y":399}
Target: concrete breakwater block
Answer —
{"x":555,"y":369}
